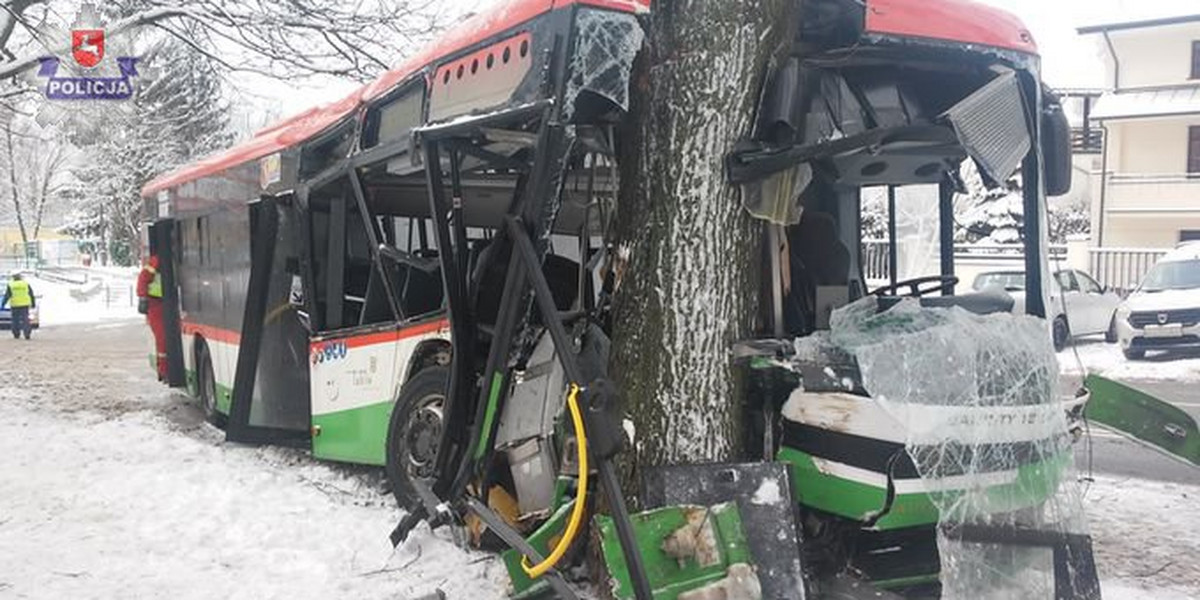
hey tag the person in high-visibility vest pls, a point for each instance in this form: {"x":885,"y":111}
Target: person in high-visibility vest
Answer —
{"x":149,"y":291}
{"x":19,"y":297}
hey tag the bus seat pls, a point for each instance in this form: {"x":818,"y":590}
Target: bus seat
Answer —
{"x":491,"y":271}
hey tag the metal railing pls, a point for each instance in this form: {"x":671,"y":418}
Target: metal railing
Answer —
{"x":1087,"y":141}
{"x":1004,"y":256}
{"x":1121,"y":269}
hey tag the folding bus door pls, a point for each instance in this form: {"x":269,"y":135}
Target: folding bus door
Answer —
{"x":271,"y":390}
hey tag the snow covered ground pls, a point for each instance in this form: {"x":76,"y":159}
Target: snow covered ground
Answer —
{"x":1144,"y":538}
{"x":1106,"y":359}
{"x":115,"y":487}
{"x":109,"y":295}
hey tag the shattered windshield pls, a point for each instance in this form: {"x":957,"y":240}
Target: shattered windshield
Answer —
{"x":1175,"y":275}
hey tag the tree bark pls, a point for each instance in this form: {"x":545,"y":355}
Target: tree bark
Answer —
{"x":689,"y":267}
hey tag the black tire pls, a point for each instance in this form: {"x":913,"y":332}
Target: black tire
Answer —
{"x":1110,"y":336}
{"x":206,"y":386}
{"x":1131,"y":354}
{"x":414,"y":433}
{"x":1061,"y":333}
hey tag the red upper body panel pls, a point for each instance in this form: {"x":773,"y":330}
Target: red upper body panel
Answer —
{"x":961,"y":21}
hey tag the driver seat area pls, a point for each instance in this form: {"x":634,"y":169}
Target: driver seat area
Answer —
{"x":816,"y":257}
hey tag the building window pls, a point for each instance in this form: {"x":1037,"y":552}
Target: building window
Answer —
{"x":1193,"y":164}
{"x":1189,"y":235}
{"x":1195,"y":60}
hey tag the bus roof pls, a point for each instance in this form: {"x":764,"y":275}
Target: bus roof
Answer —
{"x":962,"y":21}
{"x":298,"y":128}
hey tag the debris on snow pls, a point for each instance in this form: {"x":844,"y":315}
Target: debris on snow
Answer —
{"x":767,"y":494}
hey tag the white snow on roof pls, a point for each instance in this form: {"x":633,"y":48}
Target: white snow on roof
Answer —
{"x":1161,"y":102}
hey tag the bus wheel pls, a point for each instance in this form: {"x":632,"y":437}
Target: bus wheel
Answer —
{"x":206,"y":383}
{"x":414,"y":432}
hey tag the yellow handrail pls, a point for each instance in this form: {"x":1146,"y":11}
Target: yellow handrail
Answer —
{"x":580,"y":507}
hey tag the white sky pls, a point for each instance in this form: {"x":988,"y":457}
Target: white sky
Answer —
{"x":1069,"y":60}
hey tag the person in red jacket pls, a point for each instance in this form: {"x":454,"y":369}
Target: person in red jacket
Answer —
{"x":149,"y":291}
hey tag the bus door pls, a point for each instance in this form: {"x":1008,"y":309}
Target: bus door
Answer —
{"x":271,"y":389}
{"x":373,"y":306}
{"x":162,"y":241}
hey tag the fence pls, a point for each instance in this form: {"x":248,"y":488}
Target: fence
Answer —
{"x":969,"y":259}
{"x":1121,"y":269}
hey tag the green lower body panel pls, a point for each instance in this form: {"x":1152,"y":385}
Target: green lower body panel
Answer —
{"x":1033,"y":484}
{"x":357,"y":435}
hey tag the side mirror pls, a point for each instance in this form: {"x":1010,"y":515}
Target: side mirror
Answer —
{"x":1056,"y":146}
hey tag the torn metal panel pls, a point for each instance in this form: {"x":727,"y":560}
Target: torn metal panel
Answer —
{"x":987,"y":125}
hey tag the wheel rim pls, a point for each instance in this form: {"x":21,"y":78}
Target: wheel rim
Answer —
{"x":422,"y":434}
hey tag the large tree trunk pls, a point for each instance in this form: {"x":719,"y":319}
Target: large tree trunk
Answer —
{"x":690,"y":286}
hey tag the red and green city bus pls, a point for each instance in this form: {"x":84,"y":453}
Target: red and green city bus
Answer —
{"x":418,"y":277}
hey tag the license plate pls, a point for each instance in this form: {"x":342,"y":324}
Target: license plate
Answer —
{"x":1164,"y":331}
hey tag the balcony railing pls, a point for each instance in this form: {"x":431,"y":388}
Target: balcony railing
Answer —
{"x":1087,"y":141}
{"x":1121,"y":269}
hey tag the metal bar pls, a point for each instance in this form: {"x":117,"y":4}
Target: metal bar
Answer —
{"x":460,"y":126}
{"x":1035,"y":299}
{"x":518,"y":543}
{"x":946,"y":233}
{"x":307,"y":267}
{"x":461,"y":245}
{"x":773,"y":249}
{"x":335,"y":276}
{"x":893,"y":252}
{"x":462,"y":327}
{"x":608,"y":477}
{"x":373,"y":235}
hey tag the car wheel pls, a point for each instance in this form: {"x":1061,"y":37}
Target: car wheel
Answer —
{"x":1132,"y":354}
{"x":1110,"y":336}
{"x":1061,"y":333}
{"x":206,"y":386}
{"x":414,"y":433}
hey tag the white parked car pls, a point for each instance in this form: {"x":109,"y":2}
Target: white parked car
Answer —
{"x":1077,"y":304}
{"x":1163,"y":313}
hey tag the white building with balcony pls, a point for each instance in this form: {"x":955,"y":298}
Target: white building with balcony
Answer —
{"x":1148,"y":189}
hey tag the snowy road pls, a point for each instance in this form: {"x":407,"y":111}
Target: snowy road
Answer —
{"x":114,"y":488}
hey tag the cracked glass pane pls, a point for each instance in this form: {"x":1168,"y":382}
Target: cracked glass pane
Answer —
{"x":606,"y":44}
{"x":975,"y":396}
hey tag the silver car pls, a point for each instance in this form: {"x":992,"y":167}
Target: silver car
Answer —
{"x":1163,"y":313}
{"x":1078,"y":305}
